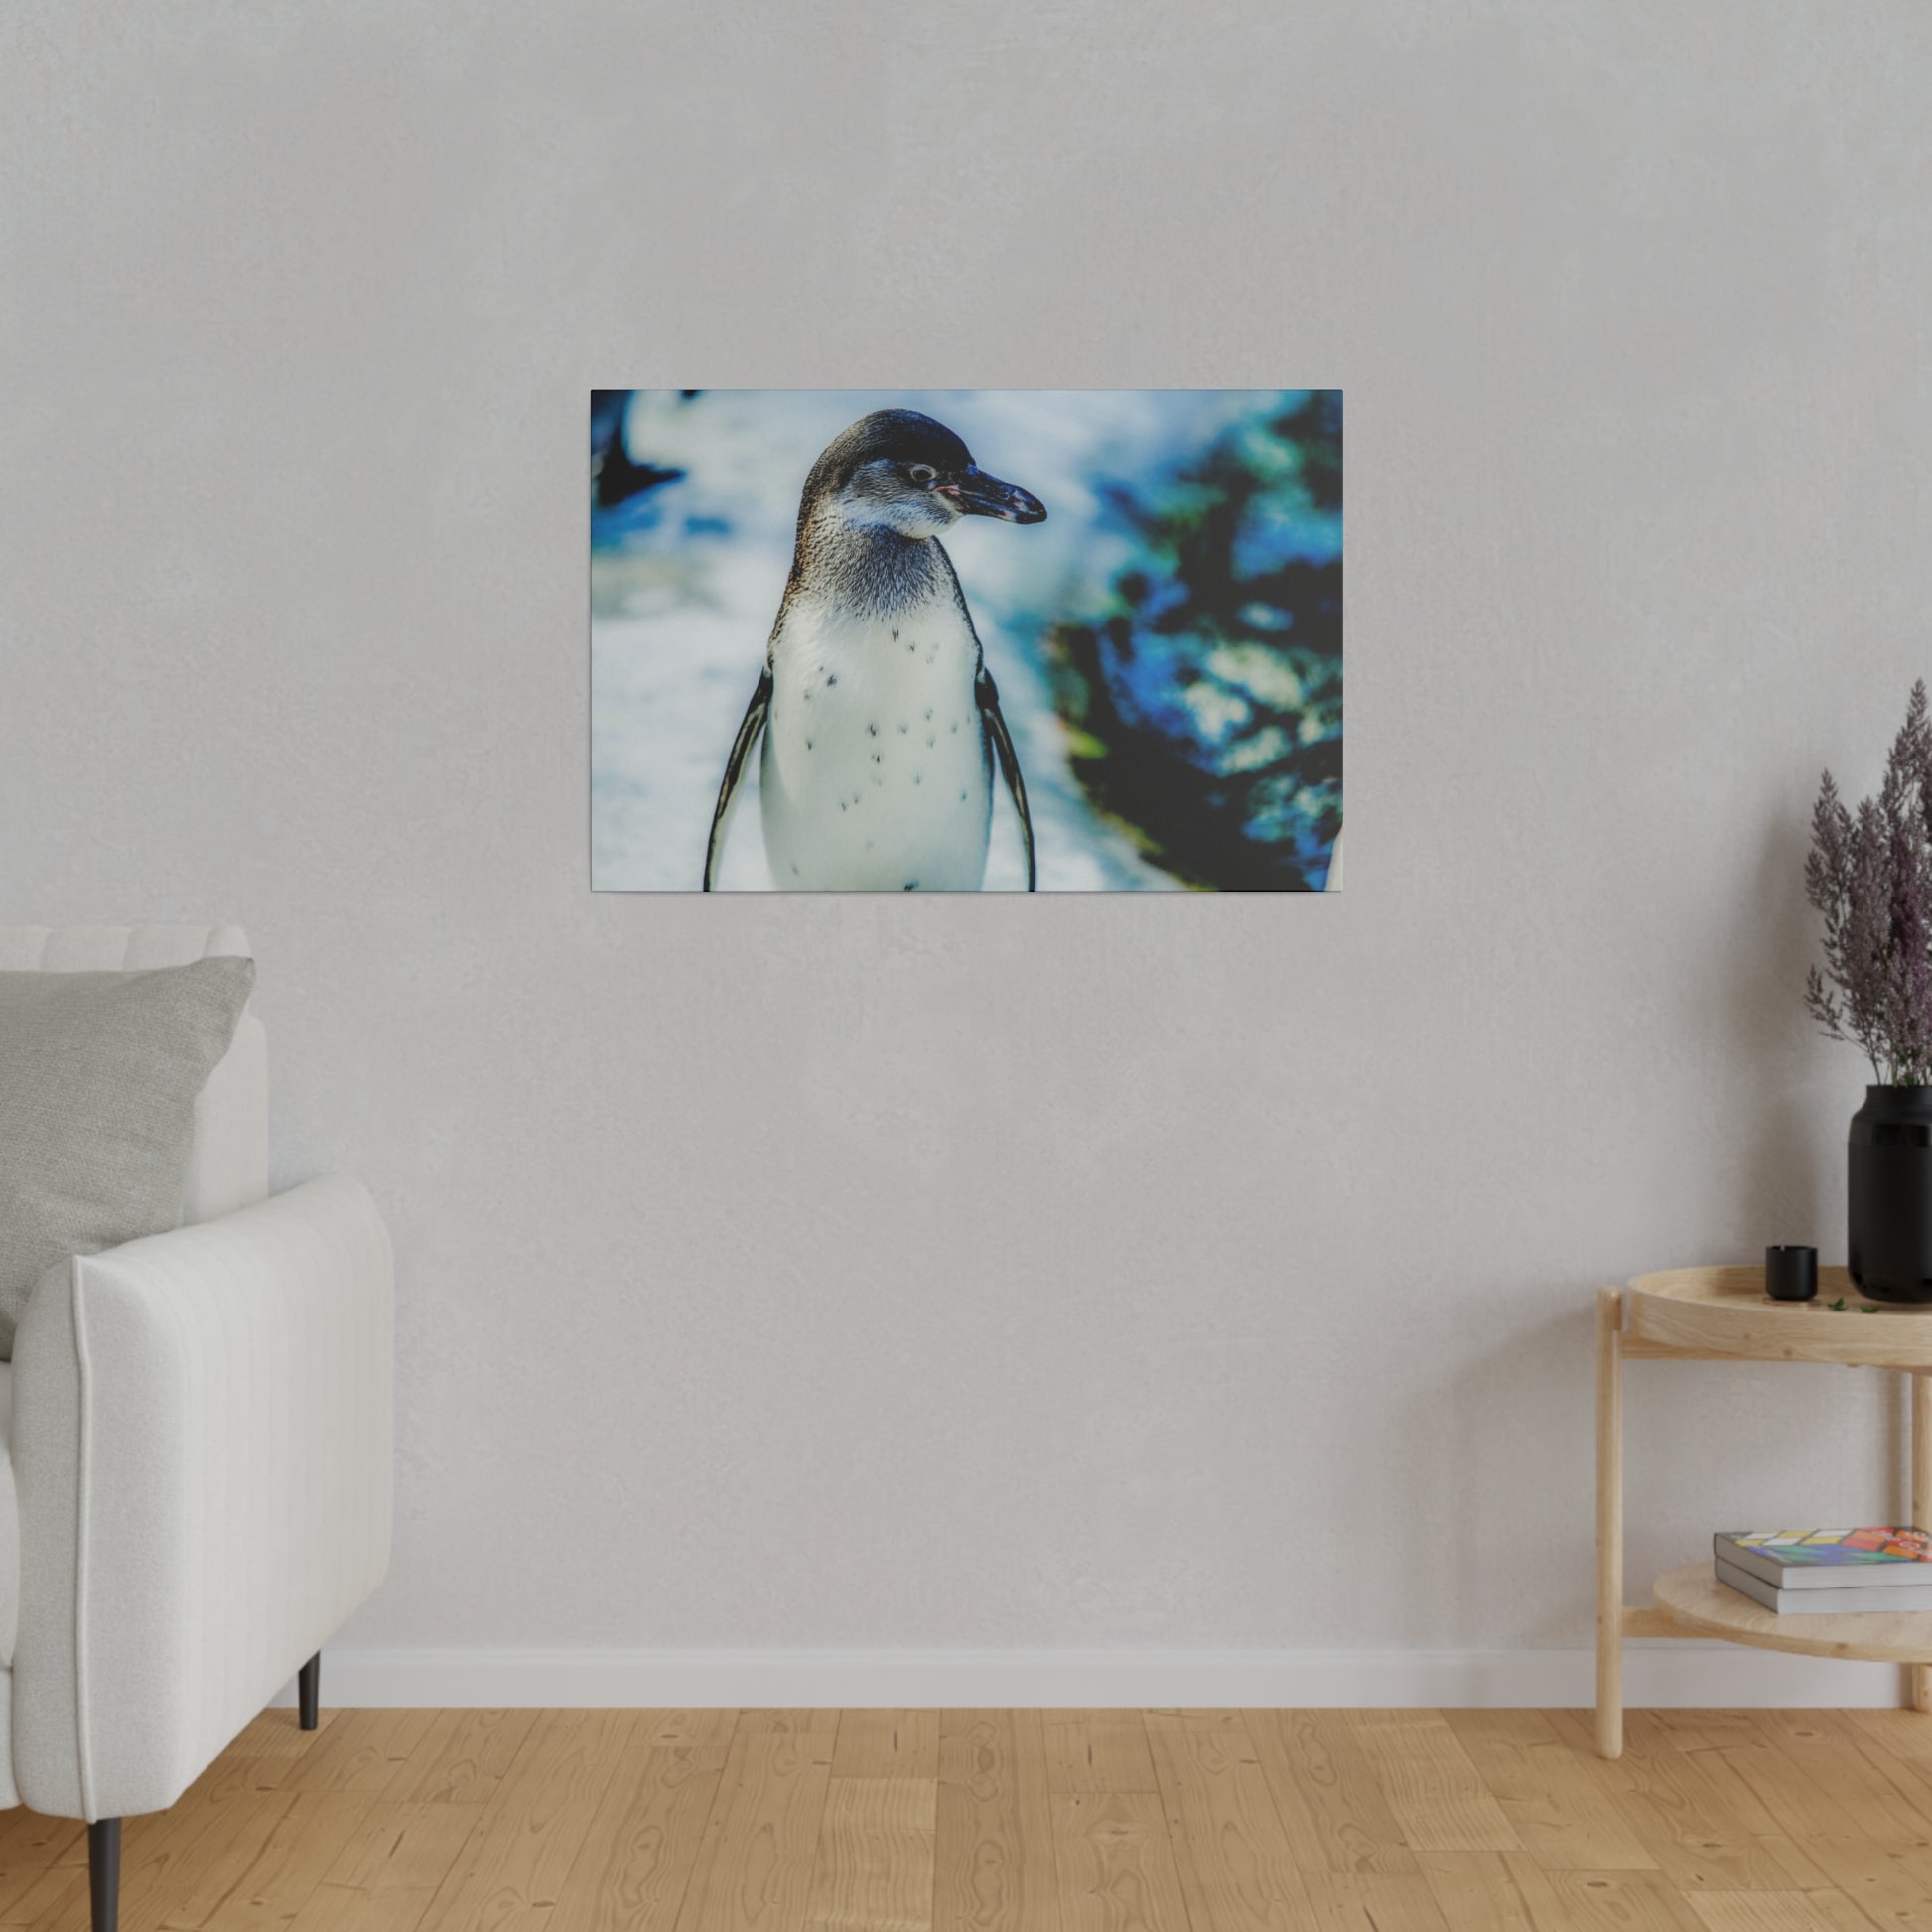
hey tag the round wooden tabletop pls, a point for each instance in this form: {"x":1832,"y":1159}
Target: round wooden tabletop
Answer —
{"x":1726,"y":1311}
{"x":1694,"y":1598}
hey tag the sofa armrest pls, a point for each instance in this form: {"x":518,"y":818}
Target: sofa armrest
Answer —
{"x":203,"y":1448}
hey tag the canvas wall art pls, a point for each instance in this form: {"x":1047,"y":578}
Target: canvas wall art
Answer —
{"x":952,"y":640}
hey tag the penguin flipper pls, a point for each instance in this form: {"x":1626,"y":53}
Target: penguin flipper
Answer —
{"x":749,"y":729}
{"x":987,"y":695}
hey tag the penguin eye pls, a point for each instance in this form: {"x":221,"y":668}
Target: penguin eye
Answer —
{"x":922,"y":473}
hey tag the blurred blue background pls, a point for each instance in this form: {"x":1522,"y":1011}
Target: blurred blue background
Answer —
{"x":1168,"y":645}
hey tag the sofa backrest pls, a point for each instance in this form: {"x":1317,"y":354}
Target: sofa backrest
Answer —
{"x":229,"y":1168}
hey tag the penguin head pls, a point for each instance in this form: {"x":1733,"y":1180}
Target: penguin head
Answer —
{"x":897,"y":469}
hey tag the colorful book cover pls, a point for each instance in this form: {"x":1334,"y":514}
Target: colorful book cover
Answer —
{"x":1822,"y":1549}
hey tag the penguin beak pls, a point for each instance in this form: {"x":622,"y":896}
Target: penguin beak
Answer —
{"x":979,"y":494}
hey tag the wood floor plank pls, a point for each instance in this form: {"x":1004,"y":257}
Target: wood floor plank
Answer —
{"x":30,"y":1848}
{"x":361,"y":1750}
{"x":1115,"y":1866}
{"x":1617,"y":1901}
{"x":63,"y":1901}
{"x":1802,"y":1872}
{"x":1778,"y":1912}
{"x":1890,"y":1885}
{"x":384,"y":1878}
{"x":994,"y":1866}
{"x":1695,"y":1840}
{"x":886,"y":1745}
{"x":1697,"y":1818}
{"x":686,"y":1727}
{"x":1732,"y":1778}
{"x":1891,"y":1793}
{"x":462,"y":1760}
{"x":757,"y":1866}
{"x":229,"y":1774}
{"x":1701,"y":1730}
{"x":1490,"y":1891}
{"x":1436,"y":1795}
{"x":295,"y":1857}
{"x":188,"y":1894}
{"x":1373,"y":1901}
{"x":874,"y":1869}
{"x":1552,"y":1795}
{"x":1237,"y":1869}
{"x":1774,"y":1795}
{"x":799,"y":1721}
{"x":1214,"y":1723}
{"x":1330,"y":1805}
{"x":644,"y":1842}
{"x":1097,"y":1750}
{"x":512,"y":1868}
{"x":46,"y":1860}
{"x":279,"y":1733}
{"x":1903,"y":1733}
{"x":31,"y":1833}
{"x":1821,"y":1747}
{"x":1707,"y":1769}
{"x":1901,"y":1752}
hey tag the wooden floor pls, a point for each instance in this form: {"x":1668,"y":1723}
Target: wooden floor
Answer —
{"x":1029,"y":1821}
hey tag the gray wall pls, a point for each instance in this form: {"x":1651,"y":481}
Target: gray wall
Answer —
{"x":1076,"y":1272}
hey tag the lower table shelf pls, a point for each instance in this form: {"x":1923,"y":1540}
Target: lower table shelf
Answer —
{"x":1693,"y":1598}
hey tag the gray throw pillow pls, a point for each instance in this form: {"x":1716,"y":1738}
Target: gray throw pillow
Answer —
{"x":98,"y":1075}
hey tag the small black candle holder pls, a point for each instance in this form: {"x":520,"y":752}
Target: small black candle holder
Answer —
{"x":1791,"y":1274}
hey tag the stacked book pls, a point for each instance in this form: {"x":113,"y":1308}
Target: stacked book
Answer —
{"x":1828,"y":1572}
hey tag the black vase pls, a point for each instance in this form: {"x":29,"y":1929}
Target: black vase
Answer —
{"x":1891,"y":1195}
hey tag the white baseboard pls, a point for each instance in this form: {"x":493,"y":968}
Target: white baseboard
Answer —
{"x":1655,"y":1674}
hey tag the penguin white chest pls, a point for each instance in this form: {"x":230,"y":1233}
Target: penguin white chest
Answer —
{"x":875,"y":775}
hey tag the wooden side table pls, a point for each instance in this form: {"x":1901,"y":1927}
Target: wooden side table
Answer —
{"x":1706,"y":1314}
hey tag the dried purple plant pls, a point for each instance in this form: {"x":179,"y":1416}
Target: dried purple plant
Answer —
{"x":1869,"y":875}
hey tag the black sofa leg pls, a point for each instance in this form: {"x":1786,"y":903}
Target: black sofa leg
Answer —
{"x":105,"y":1836}
{"x":104,"y":1873}
{"x":307,"y":1687}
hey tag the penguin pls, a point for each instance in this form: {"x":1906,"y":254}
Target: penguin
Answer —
{"x":880,"y":722}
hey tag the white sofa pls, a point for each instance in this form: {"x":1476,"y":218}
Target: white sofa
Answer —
{"x":198,"y":1476}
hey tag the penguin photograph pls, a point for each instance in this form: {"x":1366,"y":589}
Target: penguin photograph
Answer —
{"x":955,"y":640}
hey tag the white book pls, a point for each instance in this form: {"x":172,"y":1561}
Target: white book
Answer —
{"x":1895,"y":1599}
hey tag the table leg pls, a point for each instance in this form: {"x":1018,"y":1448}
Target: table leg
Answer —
{"x":1609,"y":1522}
{"x":1921,"y":1384}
